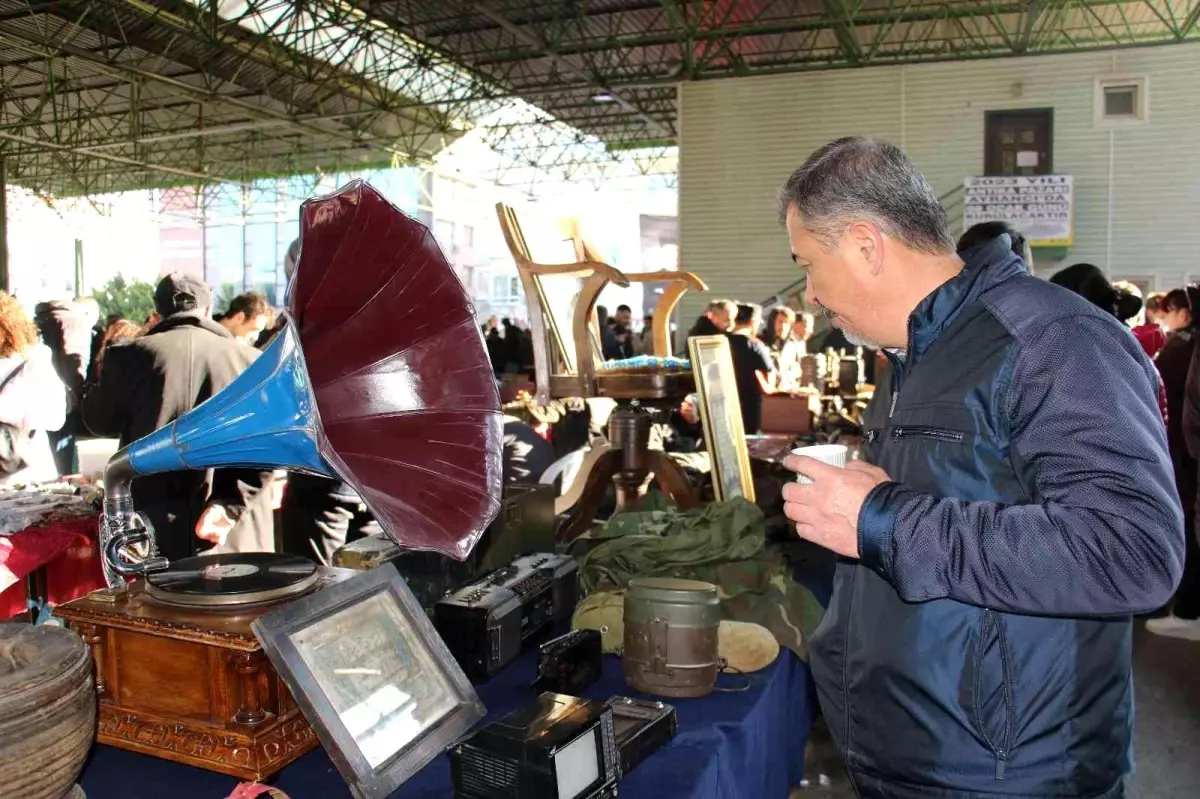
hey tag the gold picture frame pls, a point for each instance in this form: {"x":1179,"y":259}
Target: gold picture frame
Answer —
{"x":721,"y":417}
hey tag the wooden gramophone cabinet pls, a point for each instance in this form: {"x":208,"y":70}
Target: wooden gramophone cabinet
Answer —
{"x":190,"y":685}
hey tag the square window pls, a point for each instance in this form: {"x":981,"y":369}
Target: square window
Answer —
{"x":1121,"y":101}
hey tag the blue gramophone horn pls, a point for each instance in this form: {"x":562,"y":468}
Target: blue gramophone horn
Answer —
{"x":266,"y":418}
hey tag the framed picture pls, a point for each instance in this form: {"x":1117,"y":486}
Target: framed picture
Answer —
{"x":380,"y":689}
{"x":721,"y":415}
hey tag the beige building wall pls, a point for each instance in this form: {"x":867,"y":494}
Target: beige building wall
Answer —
{"x":1137,"y":187}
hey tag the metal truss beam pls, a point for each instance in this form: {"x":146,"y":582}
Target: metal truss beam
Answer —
{"x":53,"y":48}
{"x":192,"y":90}
{"x":843,"y":26}
{"x":1189,"y":24}
{"x":226,"y":41}
{"x":566,"y":64}
{"x":36,"y":146}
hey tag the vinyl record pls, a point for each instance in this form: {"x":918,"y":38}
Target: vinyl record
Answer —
{"x":232,"y":579}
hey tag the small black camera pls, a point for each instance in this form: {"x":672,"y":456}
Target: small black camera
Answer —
{"x":569,"y":663}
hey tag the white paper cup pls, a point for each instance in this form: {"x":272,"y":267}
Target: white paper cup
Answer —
{"x":833,"y":454}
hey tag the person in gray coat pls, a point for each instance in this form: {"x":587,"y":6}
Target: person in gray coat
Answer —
{"x":153,"y":380}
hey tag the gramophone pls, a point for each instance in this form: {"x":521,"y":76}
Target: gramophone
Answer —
{"x":380,"y":377}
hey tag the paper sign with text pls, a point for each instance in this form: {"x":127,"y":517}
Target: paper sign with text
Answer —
{"x":1040,"y":206}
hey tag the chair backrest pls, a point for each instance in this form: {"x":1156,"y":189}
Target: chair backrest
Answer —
{"x":677,"y":284}
{"x":561,"y":300}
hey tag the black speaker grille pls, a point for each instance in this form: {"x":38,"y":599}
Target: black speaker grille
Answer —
{"x":487,"y":775}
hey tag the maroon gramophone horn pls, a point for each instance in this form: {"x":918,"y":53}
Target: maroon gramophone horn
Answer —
{"x":406,"y":399}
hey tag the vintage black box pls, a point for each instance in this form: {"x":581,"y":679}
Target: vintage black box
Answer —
{"x":557,"y":747}
{"x":487,"y":623}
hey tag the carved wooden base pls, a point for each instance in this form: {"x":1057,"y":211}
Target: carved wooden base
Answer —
{"x":252,"y":755}
{"x":190,"y":685}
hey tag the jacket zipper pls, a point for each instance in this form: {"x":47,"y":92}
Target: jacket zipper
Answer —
{"x":999,"y":749}
{"x":900,"y":366}
{"x":934,"y":433}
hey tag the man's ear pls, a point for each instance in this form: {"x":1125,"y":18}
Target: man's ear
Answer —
{"x":868,"y":243}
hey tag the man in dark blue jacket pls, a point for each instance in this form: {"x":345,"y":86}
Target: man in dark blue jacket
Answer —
{"x":1016,"y":504}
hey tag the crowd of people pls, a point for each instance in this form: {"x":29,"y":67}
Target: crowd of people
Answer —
{"x":767,"y":354}
{"x":67,"y":374}
{"x":1165,"y":327}
{"x":510,"y":342}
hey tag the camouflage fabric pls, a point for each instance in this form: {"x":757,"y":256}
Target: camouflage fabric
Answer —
{"x":722,"y":543}
{"x":603,"y":611}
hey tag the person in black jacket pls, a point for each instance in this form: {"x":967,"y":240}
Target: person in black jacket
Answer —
{"x":752,"y":365}
{"x":68,"y":328}
{"x":984,"y":232}
{"x":716,"y":319}
{"x":1175,"y":362}
{"x":151,"y":381}
{"x":1013,"y":509}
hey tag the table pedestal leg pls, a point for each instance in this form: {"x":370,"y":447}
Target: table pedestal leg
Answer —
{"x":628,"y":465}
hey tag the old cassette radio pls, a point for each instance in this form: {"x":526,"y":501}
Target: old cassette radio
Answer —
{"x":557,"y":747}
{"x":487,"y":623}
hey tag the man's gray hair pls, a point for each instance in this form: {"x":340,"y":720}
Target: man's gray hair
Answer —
{"x":729,"y":306}
{"x":860,"y":178}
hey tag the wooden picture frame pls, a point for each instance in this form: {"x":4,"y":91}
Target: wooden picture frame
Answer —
{"x":721,"y":417}
{"x":379,"y":687}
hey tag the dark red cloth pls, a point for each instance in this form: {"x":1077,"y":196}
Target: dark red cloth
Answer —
{"x":1151,"y":337}
{"x":66,"y":547}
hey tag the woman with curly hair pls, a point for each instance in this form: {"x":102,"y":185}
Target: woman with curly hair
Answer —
{"x":33,"y":400}
{"x":117,"y":331}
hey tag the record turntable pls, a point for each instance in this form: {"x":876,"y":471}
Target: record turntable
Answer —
{"x":179,"y":673}
{"x":227,"y":580}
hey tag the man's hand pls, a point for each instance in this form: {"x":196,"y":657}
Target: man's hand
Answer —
{"x":214,"y":525}
{"x":826,"y":511}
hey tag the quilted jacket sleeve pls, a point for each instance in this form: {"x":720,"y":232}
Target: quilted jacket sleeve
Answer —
{"x":1103,"y":532}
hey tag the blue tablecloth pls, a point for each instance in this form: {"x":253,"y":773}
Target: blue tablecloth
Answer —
{"x":739,"y":745}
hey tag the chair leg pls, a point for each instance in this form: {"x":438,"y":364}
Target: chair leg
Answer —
{"x":595,"y":485}
{"x":671,"y":480}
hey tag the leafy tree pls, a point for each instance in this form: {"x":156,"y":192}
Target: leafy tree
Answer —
{"x":225,"y":297}
{"x":131,"y":300}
